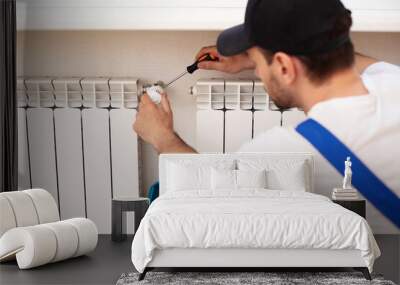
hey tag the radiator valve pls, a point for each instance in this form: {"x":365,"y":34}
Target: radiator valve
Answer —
{"x":154,"y":91}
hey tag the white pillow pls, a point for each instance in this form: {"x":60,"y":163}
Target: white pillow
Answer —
{"x":186,"y":174}
{"x":291,"y":179}
{"x":251,"y":178}
{"x":181,"y":177}
{"x":223,"y":179}
{"x":282,"y":174}
{"x":237,"y":179}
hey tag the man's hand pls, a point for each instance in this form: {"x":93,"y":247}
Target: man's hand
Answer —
{"x":154,"y":124}
{"x":231,"y":64}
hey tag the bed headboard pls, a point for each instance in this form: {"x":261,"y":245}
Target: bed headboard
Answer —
{"x":212,"y":157}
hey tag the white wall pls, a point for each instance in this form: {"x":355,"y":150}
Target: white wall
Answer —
{"x":150,"y":56}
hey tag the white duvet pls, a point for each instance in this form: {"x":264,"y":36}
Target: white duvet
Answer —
{"x":250,"y":219}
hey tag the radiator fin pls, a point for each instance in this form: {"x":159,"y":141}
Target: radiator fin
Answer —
{"x":24,"y":180}
{"x":124,"y":157}
{"x":70,"y":163}
{"x":96,"y":147}
{"x":42,"y":149}
{"x":238,"y":129}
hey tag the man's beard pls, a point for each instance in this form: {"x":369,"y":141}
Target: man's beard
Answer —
{"x":282,"y":98}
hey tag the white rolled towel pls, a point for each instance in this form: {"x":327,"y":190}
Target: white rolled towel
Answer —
{"x":87,"y":234}
{"x":23,"y":208}
{"x":33,"y":246}
{"x":45,"y":205}
{"x":26,"y":208}
{"x":37,"y":245}
{"x":67,"y":240}
{"x":7,"y":218}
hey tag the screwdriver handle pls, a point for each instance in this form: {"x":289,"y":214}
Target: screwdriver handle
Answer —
{"x":207,"y":57}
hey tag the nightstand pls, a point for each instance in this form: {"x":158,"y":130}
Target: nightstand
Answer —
{"x":122,"y":205}
{"x":357,"y":206}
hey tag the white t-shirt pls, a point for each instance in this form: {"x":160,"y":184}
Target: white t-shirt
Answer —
{"x":369,"y":125}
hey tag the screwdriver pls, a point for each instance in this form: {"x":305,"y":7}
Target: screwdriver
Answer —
{"x":192,"y":68}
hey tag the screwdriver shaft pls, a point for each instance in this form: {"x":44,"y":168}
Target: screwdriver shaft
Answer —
{"x":192,"y":68}
{"x":176,"y":78}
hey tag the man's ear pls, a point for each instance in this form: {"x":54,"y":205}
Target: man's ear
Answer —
{"x":285,"y":68}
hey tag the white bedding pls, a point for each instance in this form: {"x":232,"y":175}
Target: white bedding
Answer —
{"x":251,"y":218}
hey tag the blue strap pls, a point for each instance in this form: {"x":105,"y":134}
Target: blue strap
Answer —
{"x":366,"y":182}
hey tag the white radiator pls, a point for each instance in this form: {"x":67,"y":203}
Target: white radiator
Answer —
{"x":76,"y":138}
{"x":232,"y":112}
{"x":76,"y":141}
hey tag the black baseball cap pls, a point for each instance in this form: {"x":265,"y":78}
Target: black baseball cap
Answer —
{"x":291,"y":26}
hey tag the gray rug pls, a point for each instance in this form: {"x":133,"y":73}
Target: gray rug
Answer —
{"x":243,"y":278}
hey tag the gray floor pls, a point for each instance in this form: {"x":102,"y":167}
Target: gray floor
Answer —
{"x":110,"y":260}
{"x":389,"y":262}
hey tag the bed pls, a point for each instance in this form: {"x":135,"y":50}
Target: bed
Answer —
{"x":245,"y":211}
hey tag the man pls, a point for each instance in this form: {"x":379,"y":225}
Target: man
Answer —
{"x":302,"y":52}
